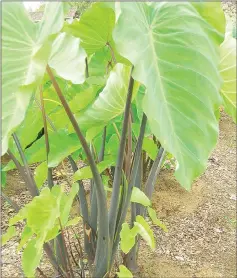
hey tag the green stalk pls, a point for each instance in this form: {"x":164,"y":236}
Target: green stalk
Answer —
{"x":112,"y":52}
{"x":138,"y":184}
{"x":82,"y":193}
{"x":87,"y":68}
{"x":102,"y":250}
{"x":63,"y":244}
{"x":46,"y":136}
{"x":53,"y":261}
{"x":134,"y":171}
{"x":10,"y":202}
{"x":152,"y":177}
{"x":84,"y":211}
{"x":32,"y":185}
{"x":94,"y":214}
{"x":119,"y":164}
{"x":22,"y":172}
{"x":130,"y":259}
{"x":93,"y":202}
{"x":129,"y":148}
{"x":61,"y":249}
{"x":117,"y":131}
{"x":155,"y":169}
{"x":102,"y":150}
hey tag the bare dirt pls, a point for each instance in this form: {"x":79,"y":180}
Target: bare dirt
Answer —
{"x":201,"y":241}
{"x":202,"y":223}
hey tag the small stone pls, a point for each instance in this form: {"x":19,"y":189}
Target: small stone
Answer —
{"x":218,"y":230}
{"x":179,"y":258}
{"x":233,"y":197}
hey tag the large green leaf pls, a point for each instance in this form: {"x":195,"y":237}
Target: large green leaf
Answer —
{"x":61,"y":145}
{"x":175,"y":55}
{"x":68,"y":58}
{"x":99,"y":62}
{"x":83,"y":97}
{"x":25,"y":50}
{"x":228,"y":73}
{"x":211,"y":11}
{"x":95,"y":31}
{"x":111,"y":101}
{"x":94,"y":27}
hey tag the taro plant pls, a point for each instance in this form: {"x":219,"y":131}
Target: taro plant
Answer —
{"x":118,"y":89}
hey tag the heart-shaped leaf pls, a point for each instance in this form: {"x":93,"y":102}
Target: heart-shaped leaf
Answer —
{"x":177,"y":60}
{"x":26,"y":48}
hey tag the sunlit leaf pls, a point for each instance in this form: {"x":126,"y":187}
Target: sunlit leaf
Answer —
{"x":100,"y":62}
{"x":73,"y":221}
{"x":40,"y":174}
{"x":85,"y":172}
{"x":68,"y":58}
{"x":140,"y":197}
{"x":66,"y":203}
{"x":127,"y":236}
{"x":145,"y":231}
{"x":94,"y":27}
{"x":51,"y":234}
{"x":26,"y":234}
{"x":113,"y":145}
{"x":228,"y":73}
{"x":155,"y":220}
{"x":18,"y":217}
{"x":107,"y":106}
{"x":28,"y":131}
{"x":43,"y":211}
{"x":62,"y":145}
{"x":3,"y":177}
{"x":170,"y":56}
{"x":210,"y":11}
{"x":124,"y":272}
{"x":31,"y":258}
{"x":150,"y":147}
{"x":10,"y":233}
{"x":25,"y":51}
{"x":83,"y":97}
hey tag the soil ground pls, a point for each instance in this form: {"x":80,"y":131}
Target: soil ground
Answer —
{"x":201,"y":241}
{"x":202,"y":223}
